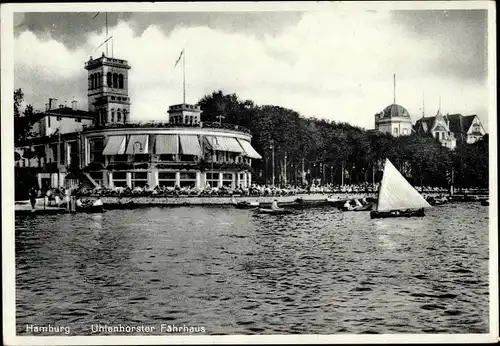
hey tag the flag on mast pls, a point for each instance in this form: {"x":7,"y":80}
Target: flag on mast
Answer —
{"x":179,"y":59}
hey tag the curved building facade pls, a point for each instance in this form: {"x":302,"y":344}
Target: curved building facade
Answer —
{"x":168,"y":155}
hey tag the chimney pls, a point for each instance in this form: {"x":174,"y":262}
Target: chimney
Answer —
{"x":47,"y":107}
{"x":52,"y":103}
{"x":74,"y":105}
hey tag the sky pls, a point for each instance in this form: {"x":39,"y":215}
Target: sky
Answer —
{"x":336,"y":64}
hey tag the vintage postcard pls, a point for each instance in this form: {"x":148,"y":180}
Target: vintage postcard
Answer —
{"x":265,"y":172}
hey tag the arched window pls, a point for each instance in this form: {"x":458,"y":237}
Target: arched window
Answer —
{"x":91,"y":81}
{"x":112,"y":116}
{"x":99,"y":79}
{"x":118,"y":115}
{"x":125,"y":115}
{"x":109,"y":79}
{"x":120,"y":81}
{"x":115,"y":80}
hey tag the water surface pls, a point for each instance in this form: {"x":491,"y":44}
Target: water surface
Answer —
{"x":321,"y":271}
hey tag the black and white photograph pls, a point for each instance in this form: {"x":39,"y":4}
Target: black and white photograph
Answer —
{"x":249,"y":173}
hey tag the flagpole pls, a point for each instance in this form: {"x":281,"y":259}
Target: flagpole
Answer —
{"x":184,"y":77}
{"x":107,"y":33}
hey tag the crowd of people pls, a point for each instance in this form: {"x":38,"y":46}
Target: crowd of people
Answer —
{"x":254,"y":190}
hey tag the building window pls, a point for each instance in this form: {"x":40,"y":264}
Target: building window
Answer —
{"x":187,"y":158}
{"x":212,"y":179}
{"x":405,"y":131}
{"x":109,"y":79}
{"x":227,"y":179}
{"x":120,"y":179}
{"x":166,"y":179}
{"x":48,"y":121}
{"x":119,"y":115}
{"x":396,"y":132}
{"x":188,"y":179}
{"x":167,"y":157}
{"x":141,"y":158}
{"x":96,"y":148}
{"x":115,"y":80}
{"x":112,"y":116}
{"x":120,"y":81}
{"x":120,"y":158}
{"x":139,"y":179}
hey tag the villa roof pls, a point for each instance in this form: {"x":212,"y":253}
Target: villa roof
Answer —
{"x":67,"y":112}
{"x":460,"y":124}
{"x":424,"y":125}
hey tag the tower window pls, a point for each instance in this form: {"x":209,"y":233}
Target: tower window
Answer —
{"x":115,"y":80}
{"x":99,"y":79}
{"x":112,"y":116}
{"x":120,"y":81}
{"x":109,"y":79}
{"x":119,"y":116}
{"x":91,"y":81}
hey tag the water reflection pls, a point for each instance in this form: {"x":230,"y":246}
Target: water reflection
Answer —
{"x":319,"y":271}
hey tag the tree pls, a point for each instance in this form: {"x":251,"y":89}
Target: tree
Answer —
{"x":320,"y":143}
{"x":23,"y":123}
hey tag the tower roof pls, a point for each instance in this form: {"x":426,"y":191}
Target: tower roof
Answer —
{"x":104,"y":60}
{"x":394,"y":110}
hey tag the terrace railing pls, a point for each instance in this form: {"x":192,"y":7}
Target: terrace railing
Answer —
{"x":154,"y":124}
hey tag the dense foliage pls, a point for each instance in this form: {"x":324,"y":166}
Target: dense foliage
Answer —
{"x":23,"y":122}
{"x":339,"y":152}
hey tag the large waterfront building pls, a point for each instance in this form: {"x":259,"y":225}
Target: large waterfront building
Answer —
{"x":102,"y":147}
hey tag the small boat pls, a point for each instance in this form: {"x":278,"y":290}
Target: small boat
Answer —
{"x":358,"y":207}
{"x":90,"y":209}
{"x":281,"y":211}
{"x":246,"y":205}
{"x":396,"y":197}
{"x":365,"y":207}
{"x":485,"y":202}
{"x":89,"y":206}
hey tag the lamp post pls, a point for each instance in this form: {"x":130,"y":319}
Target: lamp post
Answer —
{"x":272,"y":158}
{"x":214,"y":148}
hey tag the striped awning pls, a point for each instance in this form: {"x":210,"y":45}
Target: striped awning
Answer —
{"x":138,"y":144}
{"x":115,"y":146}
{"x":249,"y":150}
{"x":190,"y":145}
{"x":224,"y":144}
{"x":167,"y":144}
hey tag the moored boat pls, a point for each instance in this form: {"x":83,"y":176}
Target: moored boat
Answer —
{"x":246,"y":205}
{"x":280,"y":211}
{"x":396,"y":197}
{"x":485,"y":202}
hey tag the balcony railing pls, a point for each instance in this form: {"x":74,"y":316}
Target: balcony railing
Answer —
{"x":211,"y":125}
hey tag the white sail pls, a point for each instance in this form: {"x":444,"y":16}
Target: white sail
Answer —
{"x":396,"y":193}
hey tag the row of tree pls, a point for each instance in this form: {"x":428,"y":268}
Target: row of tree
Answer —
{"x":339,"y":153}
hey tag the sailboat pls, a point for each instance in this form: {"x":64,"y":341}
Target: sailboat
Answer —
{"x":396,"y":197}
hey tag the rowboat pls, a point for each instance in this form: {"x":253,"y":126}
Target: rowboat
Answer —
{"x":396,"y":196}
{"x":280,"y":211}
{"x":485,"y":202}
{"x":246,"y":205}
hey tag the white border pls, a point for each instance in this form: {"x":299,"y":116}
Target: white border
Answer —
{"x":8,"y":260}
